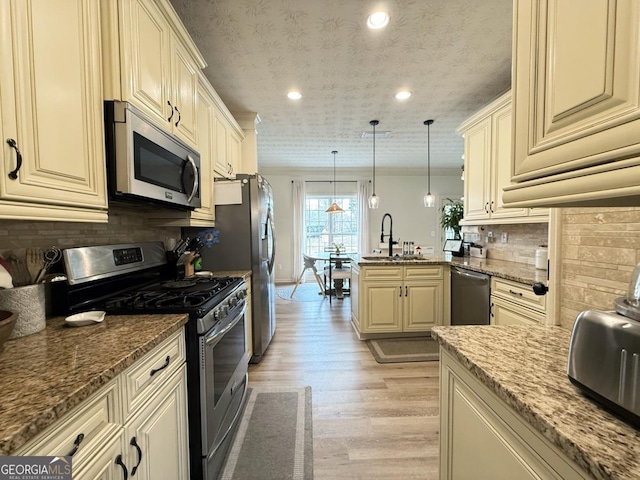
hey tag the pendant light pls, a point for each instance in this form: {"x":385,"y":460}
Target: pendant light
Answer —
{"x":374,"y":201}
{"x":429,"y":199}
{"x":334,"y":207}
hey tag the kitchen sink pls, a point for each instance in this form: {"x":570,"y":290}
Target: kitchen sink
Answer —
{"x":380,"y":258}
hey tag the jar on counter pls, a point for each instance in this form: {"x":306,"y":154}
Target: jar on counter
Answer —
{"x":542,"y":257}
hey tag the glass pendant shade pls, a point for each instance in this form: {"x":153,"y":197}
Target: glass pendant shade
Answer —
{"x":334,"y":207}
{"x":429,"y":199}
{"x":374,"y":200}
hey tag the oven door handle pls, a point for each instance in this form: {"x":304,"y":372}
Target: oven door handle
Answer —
{"x":214,"y":337}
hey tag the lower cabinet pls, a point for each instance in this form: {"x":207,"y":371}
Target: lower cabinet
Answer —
{"x":399,"y":299}
{"x":135,"y":425}
{"x":514,"y":303}
{"x":479,"y":433}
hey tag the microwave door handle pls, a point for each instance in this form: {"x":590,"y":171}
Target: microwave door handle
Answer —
{"x":195,"y":178}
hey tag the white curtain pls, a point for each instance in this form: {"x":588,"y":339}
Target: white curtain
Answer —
{"x":363,"y":216}
{"x":299,"y":236}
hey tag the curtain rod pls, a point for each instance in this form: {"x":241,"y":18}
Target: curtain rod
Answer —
{"x":330,"y":181}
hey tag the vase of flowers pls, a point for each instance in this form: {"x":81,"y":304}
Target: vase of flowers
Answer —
{"x":338,"y":247}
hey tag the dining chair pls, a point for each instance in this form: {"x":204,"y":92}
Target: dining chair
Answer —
{"x":309,"y":264}
{"x":339,"y":268}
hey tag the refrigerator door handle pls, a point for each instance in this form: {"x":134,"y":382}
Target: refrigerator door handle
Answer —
{"x":269,"y":224}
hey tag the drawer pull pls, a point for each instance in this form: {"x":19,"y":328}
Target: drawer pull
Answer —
{"x":515,"y":293}
{"x":13,"y":174}
{"x":124,"y":467}
{"x":134,"y":443}
{"x":76,"y":445}
{"x":166,"y":364}
{"x":406,"y":291}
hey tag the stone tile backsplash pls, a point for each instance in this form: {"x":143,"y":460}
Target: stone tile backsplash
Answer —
{"x":521,"y":244}
{"x":125,"y":226}
{"x":600,"y":249}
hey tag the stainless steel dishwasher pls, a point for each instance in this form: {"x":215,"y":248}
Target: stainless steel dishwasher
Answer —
{"x":470,"y":297}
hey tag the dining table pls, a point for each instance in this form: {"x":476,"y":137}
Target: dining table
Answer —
{"x":337,"y":259}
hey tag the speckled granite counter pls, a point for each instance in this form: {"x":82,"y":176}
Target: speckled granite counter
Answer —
{"x":518,"y":272}
{"x":44,"y":375}
{"x":526,"y":368}
{"x":246,"y":274}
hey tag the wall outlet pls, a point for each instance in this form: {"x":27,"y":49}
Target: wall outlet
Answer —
{"x":503,"y":237}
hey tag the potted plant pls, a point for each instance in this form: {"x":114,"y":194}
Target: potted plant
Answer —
{"x":452,"y":213}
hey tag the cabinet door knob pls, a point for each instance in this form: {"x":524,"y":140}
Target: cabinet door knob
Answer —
{"x":13,"y":174}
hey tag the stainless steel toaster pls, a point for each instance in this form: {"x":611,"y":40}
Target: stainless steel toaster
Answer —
{"x":604,"y":361}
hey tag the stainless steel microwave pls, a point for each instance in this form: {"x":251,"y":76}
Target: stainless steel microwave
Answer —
{"x":145,"y":163}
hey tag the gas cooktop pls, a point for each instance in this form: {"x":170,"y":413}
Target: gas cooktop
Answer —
{"x":196,"y":295}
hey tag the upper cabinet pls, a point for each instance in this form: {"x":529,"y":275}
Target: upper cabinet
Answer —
{"x":51,"y":122}
{"x":151,"y":61}
{"x":487,"y":166}
{"x":229,"y":136}
{"x":576,"y":93}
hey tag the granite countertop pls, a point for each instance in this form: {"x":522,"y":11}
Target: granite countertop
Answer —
{"x":245,"y":274}
{"x":46,"y":374}
{"x":518,"y":272}
{"x":526,"y":367}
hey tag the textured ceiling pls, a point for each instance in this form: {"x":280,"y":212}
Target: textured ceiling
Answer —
{"x":453,"y":55}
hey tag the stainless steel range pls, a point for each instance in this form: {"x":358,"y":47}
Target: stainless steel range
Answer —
{"x":132,"y":279}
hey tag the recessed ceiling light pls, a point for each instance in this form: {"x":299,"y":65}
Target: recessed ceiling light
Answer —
{"x":378,"y":20}
{"x":403,"y":95}
{"x":294,"y":95}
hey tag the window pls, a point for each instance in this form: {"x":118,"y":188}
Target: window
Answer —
{"x":324,"y":229}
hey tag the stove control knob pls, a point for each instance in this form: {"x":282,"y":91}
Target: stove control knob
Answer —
{"x":224,"y":311}
{"x":233,"y":302}
{"x":216,"y":315}
{"x":242,"y":293}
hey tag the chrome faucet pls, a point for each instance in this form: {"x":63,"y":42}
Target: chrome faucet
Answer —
{"x":382,"y":235}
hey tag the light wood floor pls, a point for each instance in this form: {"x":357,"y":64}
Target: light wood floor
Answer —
{"x":370,"y":420}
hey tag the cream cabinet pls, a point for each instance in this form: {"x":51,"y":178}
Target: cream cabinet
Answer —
{"x":399,"y":299}
{"x":151,"y":61}
{"x":576,"y":103}
{"x":487,"y":166}
{"x":481,"y":433}
{"x":354,"y":294}
{"x":514,"y":303}
{"x":137,"y":421}
{"x":51,"y":122}
{"x":229,"y":136}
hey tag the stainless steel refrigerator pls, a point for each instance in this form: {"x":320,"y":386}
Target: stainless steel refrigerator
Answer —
{"x":243,"y":239}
